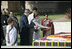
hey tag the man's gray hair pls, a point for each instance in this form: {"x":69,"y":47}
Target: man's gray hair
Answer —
{"x":27,"y":10}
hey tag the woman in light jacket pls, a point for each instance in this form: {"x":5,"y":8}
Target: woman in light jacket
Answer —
{"x":37,"y":27}
{"x":11,"y":33}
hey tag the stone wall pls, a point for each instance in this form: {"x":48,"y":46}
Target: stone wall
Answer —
{"x":14,"y":5}
{"x":43,"y":6}
{"x":4,"y":4}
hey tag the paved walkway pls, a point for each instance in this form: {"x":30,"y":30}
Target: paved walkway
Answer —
{"x":33,"y":47}
{"x":60,"y":19}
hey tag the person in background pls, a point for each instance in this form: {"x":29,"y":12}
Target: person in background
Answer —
{"x":16,"y":24}
{"x":4,"y":23}
{"x":32,"y":16}
{"x":2,"y":33}
{"x":4,"y":18}
{"x":25,"y":29}
{"x":3,"y":9}
{"x":48,"y":23}
{"x":11,"y":33}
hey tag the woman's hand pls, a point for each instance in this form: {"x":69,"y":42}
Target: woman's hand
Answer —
{"x":36,"y":30}
{"x":47,"y":28}
{"x":8,"y":38}
{"x":8,"y":41}
{"x":35,"y":26}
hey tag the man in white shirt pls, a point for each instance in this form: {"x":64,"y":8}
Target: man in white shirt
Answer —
{"x":31,"y":16}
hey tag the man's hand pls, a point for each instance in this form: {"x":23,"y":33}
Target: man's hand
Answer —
{"x":36,"y":28}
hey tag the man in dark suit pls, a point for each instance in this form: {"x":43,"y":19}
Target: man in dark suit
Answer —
{"x":24,"y":29}
{"x":2,"y":35}
{"x":4,"y":23}
{"x":4,"y":18}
